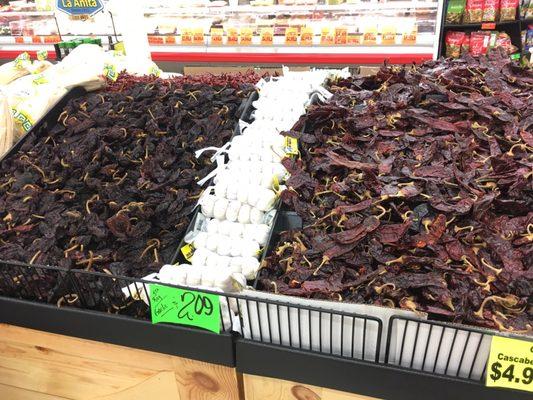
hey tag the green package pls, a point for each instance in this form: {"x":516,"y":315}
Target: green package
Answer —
{"x":454,"y":12}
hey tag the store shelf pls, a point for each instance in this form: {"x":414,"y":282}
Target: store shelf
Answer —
{"x":498,"y":25}
{"x":26,"y":14}
{"x":397,"y":5}
{"x":290,"y":58}
{"x":364,"y":378}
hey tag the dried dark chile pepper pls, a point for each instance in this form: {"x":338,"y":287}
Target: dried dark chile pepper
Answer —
{"x":440,"y":156}
{"x":111,"y":186}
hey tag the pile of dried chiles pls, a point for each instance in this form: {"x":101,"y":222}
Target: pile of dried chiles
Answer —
{"x":111,"y":186}
{"x":415,"y":187}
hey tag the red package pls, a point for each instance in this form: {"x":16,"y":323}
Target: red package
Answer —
{"x":508,"y":10}
{"x":454,"y":40}
{"x":479,"y":43}
{"x":490,"y":10}
{"x":473,"y":11}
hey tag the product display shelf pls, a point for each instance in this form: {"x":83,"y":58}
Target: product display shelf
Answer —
{"x":280,"y":8}
{"x":166,"y":22}
{"x":319,"y":343}
{"x":512,"y":28}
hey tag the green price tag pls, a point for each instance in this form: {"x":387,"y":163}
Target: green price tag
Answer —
{"x":110,"y":72}
{"x":40,"y":80}
{"x":155,"y":71}
{"x":21,"y":59}
{"x":185,"y":307}
{"x":42,"y":55}
{"x":510,"y":364}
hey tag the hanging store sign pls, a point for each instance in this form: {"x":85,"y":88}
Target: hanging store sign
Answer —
{"x":80,"y":7}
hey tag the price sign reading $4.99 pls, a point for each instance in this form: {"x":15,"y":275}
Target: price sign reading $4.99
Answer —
{"x":185,"y":307}
{"x":510,"y":364}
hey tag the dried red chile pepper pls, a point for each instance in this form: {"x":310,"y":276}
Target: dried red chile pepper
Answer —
{"x":111,"y":186}
{"x":416,"y":191}
{"x":240,"y":80}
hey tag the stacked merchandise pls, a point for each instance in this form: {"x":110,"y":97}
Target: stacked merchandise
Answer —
{"x":477,"y":11}
{"x":477,"y":43}
{"x":415,"y":190}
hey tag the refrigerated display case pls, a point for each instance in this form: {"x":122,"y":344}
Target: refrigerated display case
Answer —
{"x":252,"y":32}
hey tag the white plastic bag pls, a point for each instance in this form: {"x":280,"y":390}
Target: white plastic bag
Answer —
{"x":6,"y":125}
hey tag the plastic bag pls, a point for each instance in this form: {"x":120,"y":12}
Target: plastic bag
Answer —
{"x":6,"y":125}
{"x":31,"y":97}
{"x":15,"y":69}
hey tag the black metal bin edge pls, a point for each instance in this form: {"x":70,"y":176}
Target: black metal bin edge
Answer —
{"x":120,"y":330}
{"x":364,"y":378}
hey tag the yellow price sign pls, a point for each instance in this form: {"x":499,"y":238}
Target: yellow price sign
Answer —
{"x":246,"y":36}
{"x":291,"y":36}
{"x":186,"y":36}
{"x":327,"y":37}
{"x":267,"y":36}
{"x":306,"y":36}
{"x":187,"y":251}
{"x":510,"y":364}
{"x":198,"y":36}
{"x":233,"y":36}
{"x":217,"y":36}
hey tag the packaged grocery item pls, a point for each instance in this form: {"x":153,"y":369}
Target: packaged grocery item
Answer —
{"x":503,"y":40}
{"x":15,"y":69}
{"x":490,"y":10}
{"x":479,"y":42}
{"x":508,"y":10}
{"x":465,"y":47}
{"x":454,"y":41}
{"x":529,"y":39}
{"x":473,"y":11}
{"x":455,"y":10}
{"x":529,"y":12}
{"x":341,"y":33}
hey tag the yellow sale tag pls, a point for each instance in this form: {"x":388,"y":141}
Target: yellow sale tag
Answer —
{"x":267,"y":36}
{"x":326,"y":37}
{"x":186,"y":36}
{"x":217,"y":35}
{"x":233,"y":36}
{"x":306,"y":36}
{"x":246,"y":36}
{"x":110,"y":72}
{"x":510,"y":364}
{"x":198,"y":36}
{"x":187,"y":251}
{"x":291,"y":36}
{"x":120,"y":47}
{"x":291,"y":146}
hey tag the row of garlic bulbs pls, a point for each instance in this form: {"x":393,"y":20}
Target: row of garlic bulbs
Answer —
{"x":237,"y":208}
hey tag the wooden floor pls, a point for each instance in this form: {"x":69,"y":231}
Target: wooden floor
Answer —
{"x":36,"y":365}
